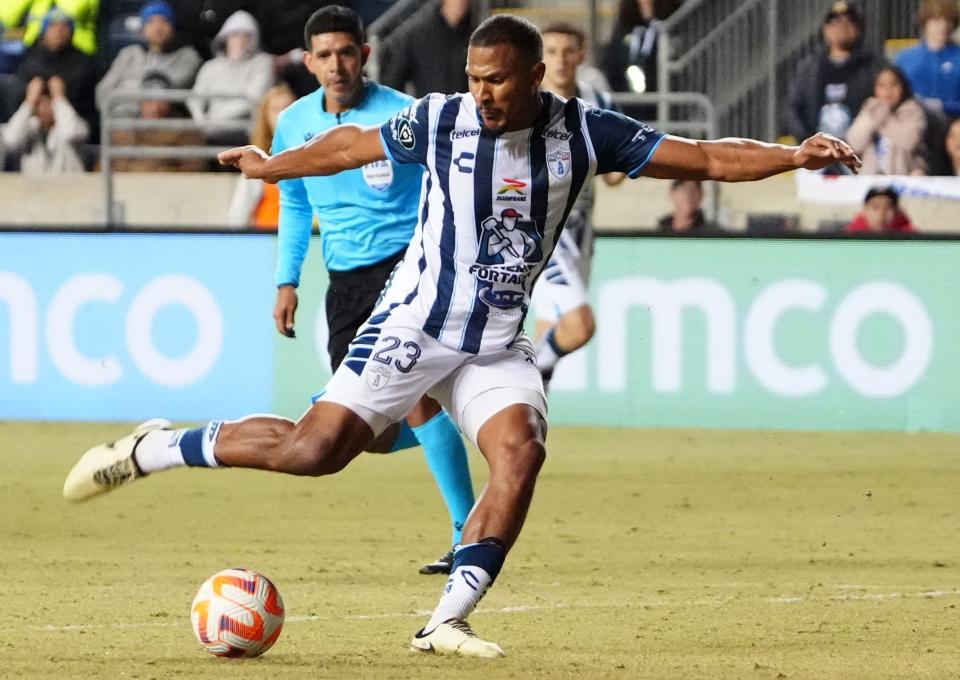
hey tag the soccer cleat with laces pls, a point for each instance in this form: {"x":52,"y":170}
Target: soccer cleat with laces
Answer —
{"x":454,"y":636}
{"x":107,"y":466}
{"x":441,"y":565}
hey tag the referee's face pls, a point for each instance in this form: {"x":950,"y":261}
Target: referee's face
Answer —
{"x":505,"y":86}
{"x":337,"y":61}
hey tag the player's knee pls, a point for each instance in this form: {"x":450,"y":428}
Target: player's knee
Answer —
{"x":523,"y":460}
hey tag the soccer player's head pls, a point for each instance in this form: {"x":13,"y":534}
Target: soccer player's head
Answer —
{"x":564,"y":49}
{"x":504,"y":70}
{"x":336,"y":51}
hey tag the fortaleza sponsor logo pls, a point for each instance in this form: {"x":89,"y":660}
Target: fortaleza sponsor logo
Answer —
{"x":514,"y":274}
{"x":464,"y":134}
{"x":512,"y":190}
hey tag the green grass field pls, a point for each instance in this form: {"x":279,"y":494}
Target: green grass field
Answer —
{"x":647,"y":554}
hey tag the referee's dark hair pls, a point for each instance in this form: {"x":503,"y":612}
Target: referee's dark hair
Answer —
{"x":505,"y":29}
{"x":334,"y":19}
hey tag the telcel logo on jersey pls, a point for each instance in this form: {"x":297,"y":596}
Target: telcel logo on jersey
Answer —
{"x":512,"y":190}
{"x":464,"y":134}
{"x":554,"y":133}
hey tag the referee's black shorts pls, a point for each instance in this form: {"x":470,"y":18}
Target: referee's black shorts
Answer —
{"x":351,"y":298}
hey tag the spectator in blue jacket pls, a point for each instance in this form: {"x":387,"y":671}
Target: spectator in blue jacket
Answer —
{"x":933,"y":66}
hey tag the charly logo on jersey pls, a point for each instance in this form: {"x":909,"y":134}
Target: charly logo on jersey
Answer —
{"x":558,"y":163}
{"x":510,"y":248}
{"x":378,"y":175}
{"x":403,"y":133}
{"x":512,"y":190}
{"x":403,"y":130}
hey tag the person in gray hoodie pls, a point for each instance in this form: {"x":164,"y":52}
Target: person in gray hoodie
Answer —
{"x":159,"y":57}
{"x":231,"y":85}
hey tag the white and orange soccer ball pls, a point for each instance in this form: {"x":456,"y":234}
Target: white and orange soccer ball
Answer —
{"x":237,"y":613}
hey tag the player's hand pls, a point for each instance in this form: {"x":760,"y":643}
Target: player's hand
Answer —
{"x":250,"y":160}
{"x":823,"y":150}
{"x":285,"y":310}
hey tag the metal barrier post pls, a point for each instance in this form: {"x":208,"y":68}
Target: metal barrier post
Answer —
{"x":772,"y":69}
{"x":113,"y":212}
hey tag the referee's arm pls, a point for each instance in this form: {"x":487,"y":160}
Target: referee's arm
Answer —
{"x":341,"y":148}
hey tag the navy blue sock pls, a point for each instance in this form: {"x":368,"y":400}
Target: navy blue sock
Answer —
{"x":196,"y":444}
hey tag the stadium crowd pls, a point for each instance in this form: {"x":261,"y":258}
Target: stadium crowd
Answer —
{"x":63,"y":62}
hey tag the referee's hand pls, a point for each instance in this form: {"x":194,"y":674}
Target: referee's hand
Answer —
{"x":285,"y":310}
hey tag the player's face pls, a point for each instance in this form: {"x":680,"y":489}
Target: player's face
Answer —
{"x":337,"y":61}
{"x":505,"y":85}
{"x":562,"y":54}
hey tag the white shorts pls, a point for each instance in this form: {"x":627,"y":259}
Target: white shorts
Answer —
{"x":564,"y":282}
{"x":383,"y":377}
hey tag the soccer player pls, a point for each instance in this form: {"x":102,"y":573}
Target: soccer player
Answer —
{"x":451,"y":319}
{"x":565,"y":321}
{"x":367,"y":217}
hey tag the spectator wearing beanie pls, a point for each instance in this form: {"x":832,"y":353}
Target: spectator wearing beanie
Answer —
{"x":831,"y":85}
{"x":55,"y":55}
{"x":161,"y":55}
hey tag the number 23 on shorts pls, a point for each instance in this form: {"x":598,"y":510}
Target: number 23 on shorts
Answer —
{"x":402,"y":355}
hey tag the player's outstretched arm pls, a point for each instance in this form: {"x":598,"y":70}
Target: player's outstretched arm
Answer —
{"x":341,"y":148}
{"x":740,"y":160}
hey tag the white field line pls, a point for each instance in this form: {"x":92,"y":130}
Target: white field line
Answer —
{"x":519,"y":609}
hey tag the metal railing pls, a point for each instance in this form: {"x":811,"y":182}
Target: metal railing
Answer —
{"x":690,"y":114}
{"x":687,"y":114}
{"x":109,"y":123}
{"x":743,"y":54}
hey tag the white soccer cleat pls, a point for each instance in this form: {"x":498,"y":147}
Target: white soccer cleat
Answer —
{"x":107,"y":466}
{"x":454,"y":637}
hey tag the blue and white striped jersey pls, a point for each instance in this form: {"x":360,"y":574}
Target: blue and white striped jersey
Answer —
{"x":492,"y":208}
{"x":601,"y":100}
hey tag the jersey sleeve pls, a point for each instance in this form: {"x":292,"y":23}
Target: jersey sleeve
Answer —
{"x":621,"y":144}
{"x":296,"y":219}
{"x":406,"y":136}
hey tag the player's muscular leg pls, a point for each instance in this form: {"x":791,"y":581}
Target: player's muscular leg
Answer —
{"x":424,"y":410}
{"x":575,"y":328}
{"x":512,"y":441}
{"x":323,"y":442}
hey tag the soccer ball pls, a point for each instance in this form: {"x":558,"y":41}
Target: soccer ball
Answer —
{"x":237,"y":613}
